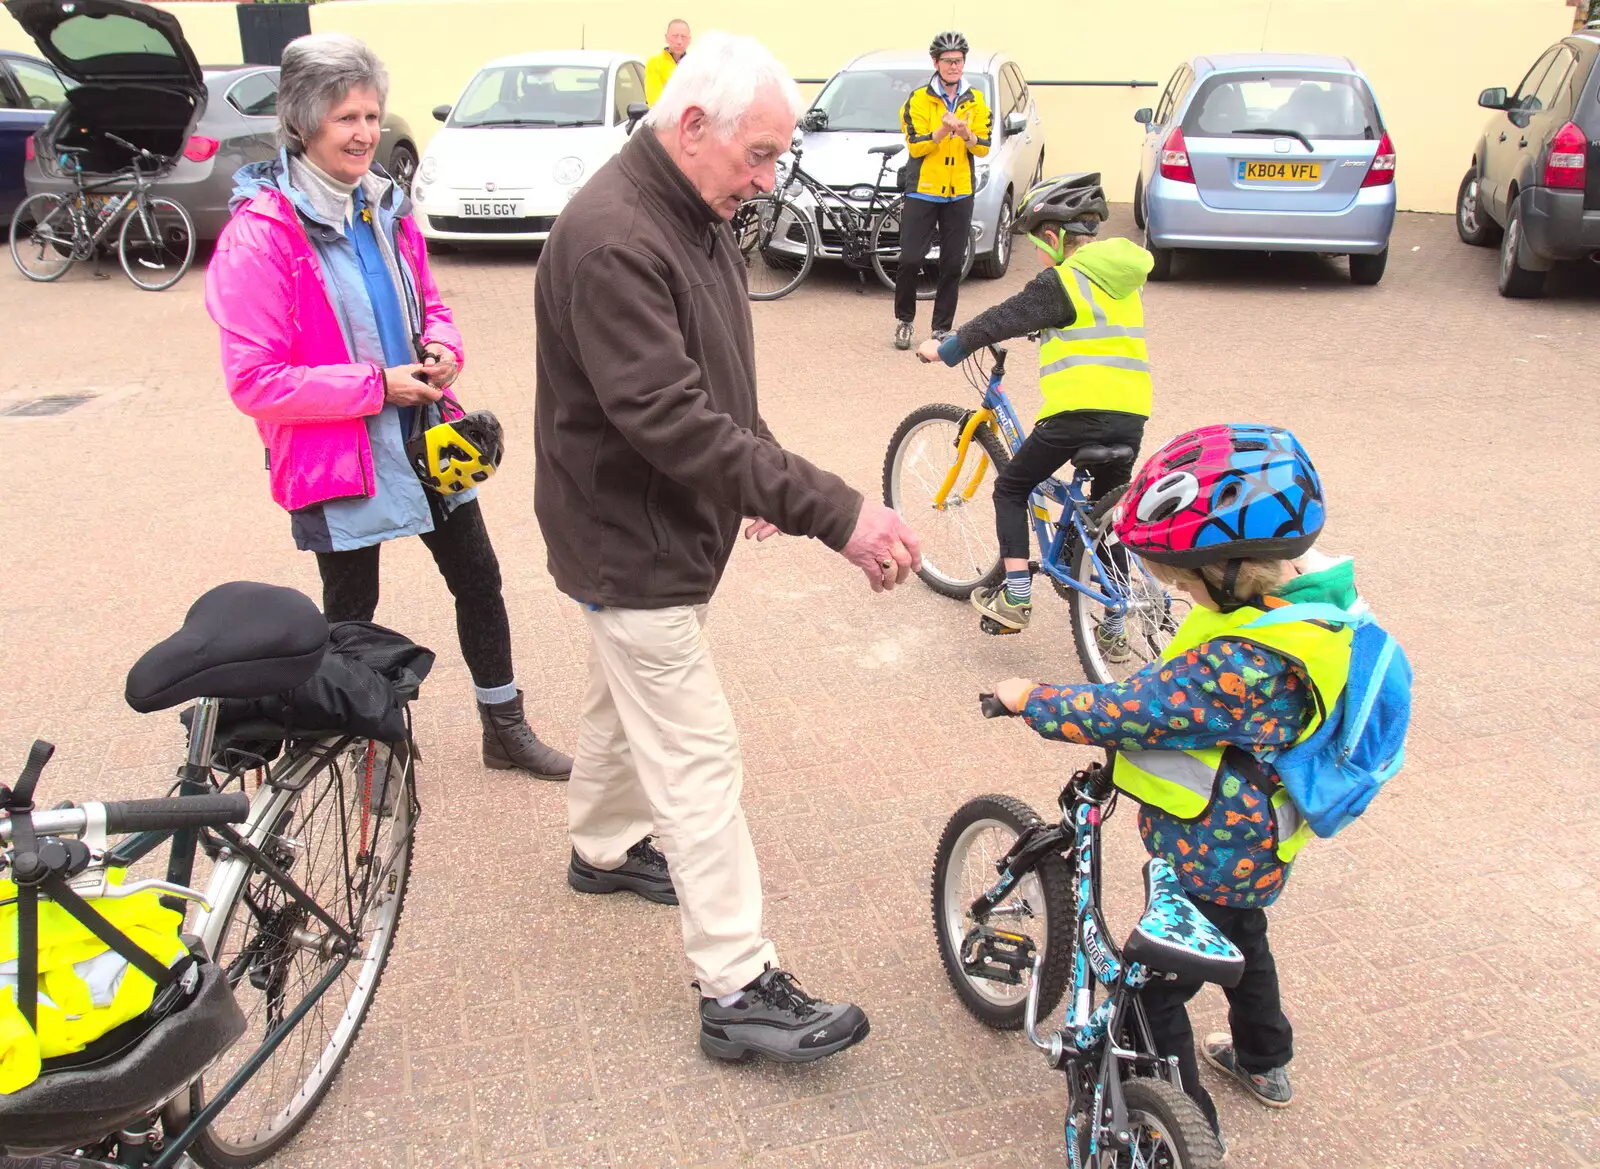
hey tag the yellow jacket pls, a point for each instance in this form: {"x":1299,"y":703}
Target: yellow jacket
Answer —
{"x":943,"y":168}
{"x":657,"y":72}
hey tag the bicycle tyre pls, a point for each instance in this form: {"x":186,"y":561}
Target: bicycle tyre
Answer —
{"x":276,"y":826}
{"x":1157,"y":1109}
{"x":27,"y":217}
{"x":1148,"y":631}
{"x":941,"y":579}
{"x":886,"y":275}
{"x":753,"y":225}
{"x":145,"y":228}
{"x":1055,"y":887}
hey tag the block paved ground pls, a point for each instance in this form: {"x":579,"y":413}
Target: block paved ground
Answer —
{"x":1438,"y":958}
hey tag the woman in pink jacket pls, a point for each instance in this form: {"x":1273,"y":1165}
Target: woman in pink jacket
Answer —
{"x":320,"y":285}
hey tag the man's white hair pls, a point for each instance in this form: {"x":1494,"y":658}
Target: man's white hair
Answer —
{"x":722,"y":74}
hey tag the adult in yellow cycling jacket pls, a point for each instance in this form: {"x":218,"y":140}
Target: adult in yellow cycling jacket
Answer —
{"x":1093,"y":373}
{"x":658,"y":70}
{"x":946,"y":124}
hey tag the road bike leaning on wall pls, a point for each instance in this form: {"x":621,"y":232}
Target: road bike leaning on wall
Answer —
{"x":50,"y":231}
{"x":286,"y":946}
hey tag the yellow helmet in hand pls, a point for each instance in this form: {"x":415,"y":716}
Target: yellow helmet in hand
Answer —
{"x":457,"y":453}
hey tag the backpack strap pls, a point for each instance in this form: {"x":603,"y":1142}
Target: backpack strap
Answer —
{"x":1356,"y":723}
{"x":1310,"y":611}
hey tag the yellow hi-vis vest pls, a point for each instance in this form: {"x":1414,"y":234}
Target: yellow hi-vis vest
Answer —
{"x":85,"y":987}
{"x":1183,"y":783}
{"x":1098,"y":362}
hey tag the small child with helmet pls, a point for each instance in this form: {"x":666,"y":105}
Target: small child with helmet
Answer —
{"x":1094,"y":373}
{"x":1227,"y":514}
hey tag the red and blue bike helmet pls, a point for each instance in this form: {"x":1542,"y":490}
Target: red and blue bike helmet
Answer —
{"x":1221,"y":495}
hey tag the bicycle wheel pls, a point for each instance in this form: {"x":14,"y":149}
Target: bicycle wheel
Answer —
{"x":960,"y":550}
{"x":778,"y":242}
{"x":156,"y":246}
{"x":1039,"y":907}
{"x":345,"y":838}
{"x":886,"y":253}
{"x":42,"y":237}
{"x":1168,"y":1131}
{"x":1153,"y":614}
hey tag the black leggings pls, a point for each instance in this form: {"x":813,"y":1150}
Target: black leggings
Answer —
{"x":1050,"y":446}
{"x":918,"y":222}
{"x":1262,"y":1037}
{"x":461,"y":548}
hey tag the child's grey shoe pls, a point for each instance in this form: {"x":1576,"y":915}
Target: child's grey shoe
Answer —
{"x":1271,"y":1087}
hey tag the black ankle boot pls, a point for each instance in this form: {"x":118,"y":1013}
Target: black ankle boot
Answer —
{"x":508,"y":741}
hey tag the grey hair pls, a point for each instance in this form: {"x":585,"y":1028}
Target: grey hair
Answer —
{"x":722,"y":74}
{"x":318,"y":71}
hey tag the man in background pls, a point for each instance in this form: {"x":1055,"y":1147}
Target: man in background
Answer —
{"x":659,"y":69}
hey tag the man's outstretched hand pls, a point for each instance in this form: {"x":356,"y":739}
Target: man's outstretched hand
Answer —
{"x":883,"y":547}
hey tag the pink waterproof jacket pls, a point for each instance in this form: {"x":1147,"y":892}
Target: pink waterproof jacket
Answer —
{"x":285,"y":359}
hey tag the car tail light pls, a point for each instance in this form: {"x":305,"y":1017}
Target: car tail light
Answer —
{"x":200,"y":148}
{"x":1568,"y":159}
{"x":1381,"y":172}
{"x":29,"y":150}
{"x":1175,"y":158}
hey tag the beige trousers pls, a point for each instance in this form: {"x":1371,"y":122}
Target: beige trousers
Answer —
{"x":658,"y":753}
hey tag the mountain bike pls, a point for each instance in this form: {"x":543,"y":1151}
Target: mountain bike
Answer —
{"x":941,"y":485}
{"x":1016,"y":910}
{"x":781,"y":235}
{"x":50,"y":231}
{"x":290,"y":938}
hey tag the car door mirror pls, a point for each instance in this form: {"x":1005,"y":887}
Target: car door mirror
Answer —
{"x":814,"y":121}
{"x":1144,"y":115}
{"x":636,"y":110}
{"x":441,"y":113}
{"x":1494,"y":99}
{"x":1016,"y":123}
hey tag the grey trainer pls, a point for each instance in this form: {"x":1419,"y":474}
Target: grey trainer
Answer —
{"x":644,"y":872}
{"x":1270,"y":1087}
{"x":902,"y":335}
{"x":777,"y":1019}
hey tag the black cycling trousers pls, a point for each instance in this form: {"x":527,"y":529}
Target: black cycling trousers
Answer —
{"x":1050,"y":446}
{"x":917,"y":224}
{"x":461,"y":548}
{"x":1262,"y":1036}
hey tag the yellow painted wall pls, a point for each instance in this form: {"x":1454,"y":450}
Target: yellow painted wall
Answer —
{"x":1427,"y":59}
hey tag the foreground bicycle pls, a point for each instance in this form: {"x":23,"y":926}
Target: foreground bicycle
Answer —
{"x":942,"y":487}
{"x":1016,"y":908}
{"x":50,"y":232}
{"x":291,"y":935}
{"x":781,"y":235}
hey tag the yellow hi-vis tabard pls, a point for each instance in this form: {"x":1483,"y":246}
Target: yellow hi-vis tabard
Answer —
{"x":1098,"y":362}
{"x":1183,"y":783}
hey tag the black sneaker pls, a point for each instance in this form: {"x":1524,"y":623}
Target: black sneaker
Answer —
{"x":777,"y":1019}
{"x":644,"y":872}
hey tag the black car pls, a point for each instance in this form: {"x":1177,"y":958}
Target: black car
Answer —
{"x":1534,"y":183}
{"x":30,"y":92}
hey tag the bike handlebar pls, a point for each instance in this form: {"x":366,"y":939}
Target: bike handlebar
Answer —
{"x":992,"y":707}
{"x":142,"y":815}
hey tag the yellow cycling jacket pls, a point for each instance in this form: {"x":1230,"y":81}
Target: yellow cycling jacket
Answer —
{"x":943,"y":168}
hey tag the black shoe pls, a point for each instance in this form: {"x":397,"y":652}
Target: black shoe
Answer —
{"x":508,"y":742}
{"x":644,"y":872}
{"x":777,"y":1019}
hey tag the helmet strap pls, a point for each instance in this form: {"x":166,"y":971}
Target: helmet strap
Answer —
{"x":1056,"y":252}
{"x":1224,"y":596}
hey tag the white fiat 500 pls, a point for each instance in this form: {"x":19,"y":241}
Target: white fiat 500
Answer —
{"x":525,"y":135}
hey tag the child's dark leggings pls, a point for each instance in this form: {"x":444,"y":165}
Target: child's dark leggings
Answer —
{"x":1052,"y":443}
{"x":1262,"y":1037}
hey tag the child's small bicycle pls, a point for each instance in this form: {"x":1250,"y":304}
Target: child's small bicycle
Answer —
{"x":1011,"y":947}
{"x":931,"y":478}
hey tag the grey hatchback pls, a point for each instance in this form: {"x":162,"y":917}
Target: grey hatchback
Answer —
{"x":1268,"y":152}
{"x":239,"y":126}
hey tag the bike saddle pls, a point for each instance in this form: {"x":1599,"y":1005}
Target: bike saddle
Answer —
{"x":1174,"y":937}
{"x":240,"y":640}
{"x":888,"y":151}
{"x":1095,"y":456}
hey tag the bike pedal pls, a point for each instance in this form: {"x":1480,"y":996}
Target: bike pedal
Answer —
{"x":998,"y":955}
{"x":992,"y":627}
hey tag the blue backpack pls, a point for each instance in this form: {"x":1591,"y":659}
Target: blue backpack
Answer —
{"x":1333,"y":775}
